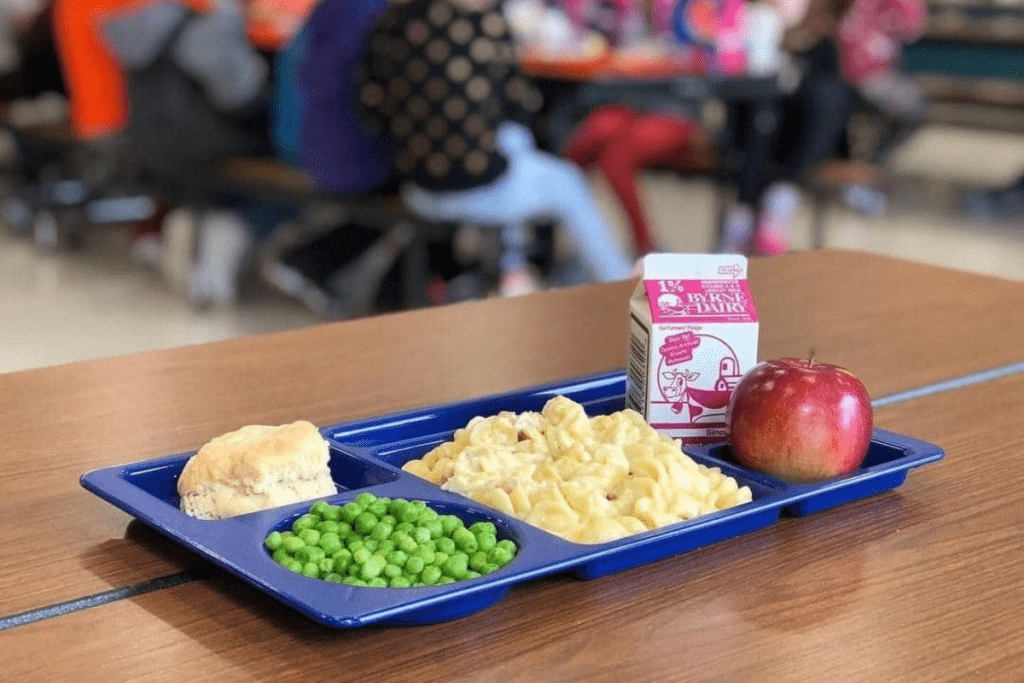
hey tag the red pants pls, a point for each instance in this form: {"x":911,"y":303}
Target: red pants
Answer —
{"x":622,"y":141}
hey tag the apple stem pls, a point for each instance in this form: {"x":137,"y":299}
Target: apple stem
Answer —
{"x":810,"y":358}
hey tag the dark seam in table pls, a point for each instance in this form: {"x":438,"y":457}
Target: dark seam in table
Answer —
{"x":106,"y":597}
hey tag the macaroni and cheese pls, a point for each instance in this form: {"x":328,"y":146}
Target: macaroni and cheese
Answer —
{"x":588,"y":480}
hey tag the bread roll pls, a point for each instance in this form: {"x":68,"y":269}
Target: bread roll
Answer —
{"x":254,"y":468}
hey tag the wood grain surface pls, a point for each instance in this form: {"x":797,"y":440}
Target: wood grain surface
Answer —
{"x":923,"y":583}
{"x":896,"y":324}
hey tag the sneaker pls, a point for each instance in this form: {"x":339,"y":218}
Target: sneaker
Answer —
{"x":224,"y":241}
{"x":737,"y":228}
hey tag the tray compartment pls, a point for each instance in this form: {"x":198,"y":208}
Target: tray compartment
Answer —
{"x":889,"y":458}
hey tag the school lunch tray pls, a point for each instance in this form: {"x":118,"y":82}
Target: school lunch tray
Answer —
{"x":367,"y":455}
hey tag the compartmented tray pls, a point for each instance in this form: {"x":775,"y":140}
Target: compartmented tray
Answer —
{"x":367,"y":456}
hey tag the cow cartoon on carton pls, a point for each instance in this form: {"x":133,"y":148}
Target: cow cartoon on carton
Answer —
{"x":693,"y":333}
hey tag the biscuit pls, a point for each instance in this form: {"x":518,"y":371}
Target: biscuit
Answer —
{"x":255,"y":468}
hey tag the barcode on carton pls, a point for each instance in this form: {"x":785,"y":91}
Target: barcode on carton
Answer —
{"x":636,"y":372}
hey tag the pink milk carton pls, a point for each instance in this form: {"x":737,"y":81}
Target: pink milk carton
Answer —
{"x":693,"y":333}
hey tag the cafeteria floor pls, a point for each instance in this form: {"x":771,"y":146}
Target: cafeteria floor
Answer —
{"x":64,"y":307}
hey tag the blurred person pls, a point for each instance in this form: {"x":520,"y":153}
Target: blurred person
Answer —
{"x":622,"y":140}
{"x":198,"y":92}
{"x":847,"y":53}
{"x":441,"y":83}
{"x":98,"y":107}
{"x":318,"y":123}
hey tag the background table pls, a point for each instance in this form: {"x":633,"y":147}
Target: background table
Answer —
{"x":923,"y":583}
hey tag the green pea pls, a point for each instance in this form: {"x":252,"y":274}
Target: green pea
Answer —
{"x":386,"y":546}
{"x":406,"y":544}
{"x":305,"y":522}
{"x":311,"y":569}
{"x":332,"y":513}
{"x":318,"y":508}
{"x":397,"y":557}
{"x":508,"y":545}
{"x":310,"y":553}
{"x":354,"y":569}
{"x":378,"y":508}
{"x":365,"y":522}
{"x":431,"y":575}
{"x":310,"y":536}
{"x":401,"y":582}
{"x":361,"y":556}
{"x":344,"y":529}
{"x":392,"y":570}
{"x":342,"y":559}
{"x":389,"y":520}
{"x":409,"y":515}
{"x":405,"y":527}
{"x":500,"y":556}
{"x":326,"y":566}
{"x":436,"y":528}
{"x":372,"y":568}
{"x":417,"y":505}
{"x":426,"y":554}
{"x":421,"y":534}
{"x":488,"y":568}
{"x":334,"y":578}
{"x":478,"y":560}
{"x":350,"y":511}
{"x":456,"y":565}
{"x":292,"y":544}
{"x":273,"y":540}
{"x":465,"y":540}
{"x":446,"y":546}
{"x":354,"y":544}
{"x":355,"y":582}
{"x":280,"y":555}
{"x":445,"y":579}
{"x":327,"y":527}
{"x":286,"y":534}
{"x":366,"y":499}
{"x":449,"y":523}
{"x":414,"y":565}
{"x":486,"y":527}
{"x":427,"y":515}
{"x":471,"y":575}
{"x":398,"y":505}
{"x":378,"y":582}
{"x":293,"y":565}
{"x":486,"y":542}
{"x":440,"y":558}
{"x":330,"y":543}
{"x":381,"y":532}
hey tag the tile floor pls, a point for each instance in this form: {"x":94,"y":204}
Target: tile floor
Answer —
{"x":63,"y":307}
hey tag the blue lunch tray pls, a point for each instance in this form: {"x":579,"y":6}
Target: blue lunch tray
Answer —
{"x":367,"y":456}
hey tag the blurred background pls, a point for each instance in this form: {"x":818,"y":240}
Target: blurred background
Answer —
{"x":182,"y":171}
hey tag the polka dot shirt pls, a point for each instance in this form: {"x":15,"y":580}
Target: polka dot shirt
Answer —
{"x":437,"y":81}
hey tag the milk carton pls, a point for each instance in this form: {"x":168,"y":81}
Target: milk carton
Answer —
{"x":693,"y":333}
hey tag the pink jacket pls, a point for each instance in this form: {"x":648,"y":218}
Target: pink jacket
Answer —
{"x":873,"y":31}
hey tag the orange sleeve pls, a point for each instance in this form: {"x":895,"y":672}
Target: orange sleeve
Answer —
{"x":97,"y":99}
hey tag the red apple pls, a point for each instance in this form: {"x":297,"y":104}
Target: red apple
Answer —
{"x":800,"y":420}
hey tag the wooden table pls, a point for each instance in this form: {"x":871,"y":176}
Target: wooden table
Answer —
{"x":924,"y":583}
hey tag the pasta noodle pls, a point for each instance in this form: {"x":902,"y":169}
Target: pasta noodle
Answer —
{"x":588,"y":480}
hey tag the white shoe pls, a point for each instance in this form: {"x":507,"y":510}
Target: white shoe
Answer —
{"x":224,"y":242}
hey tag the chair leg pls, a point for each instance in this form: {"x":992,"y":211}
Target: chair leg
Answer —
{"x":819,"y":201}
